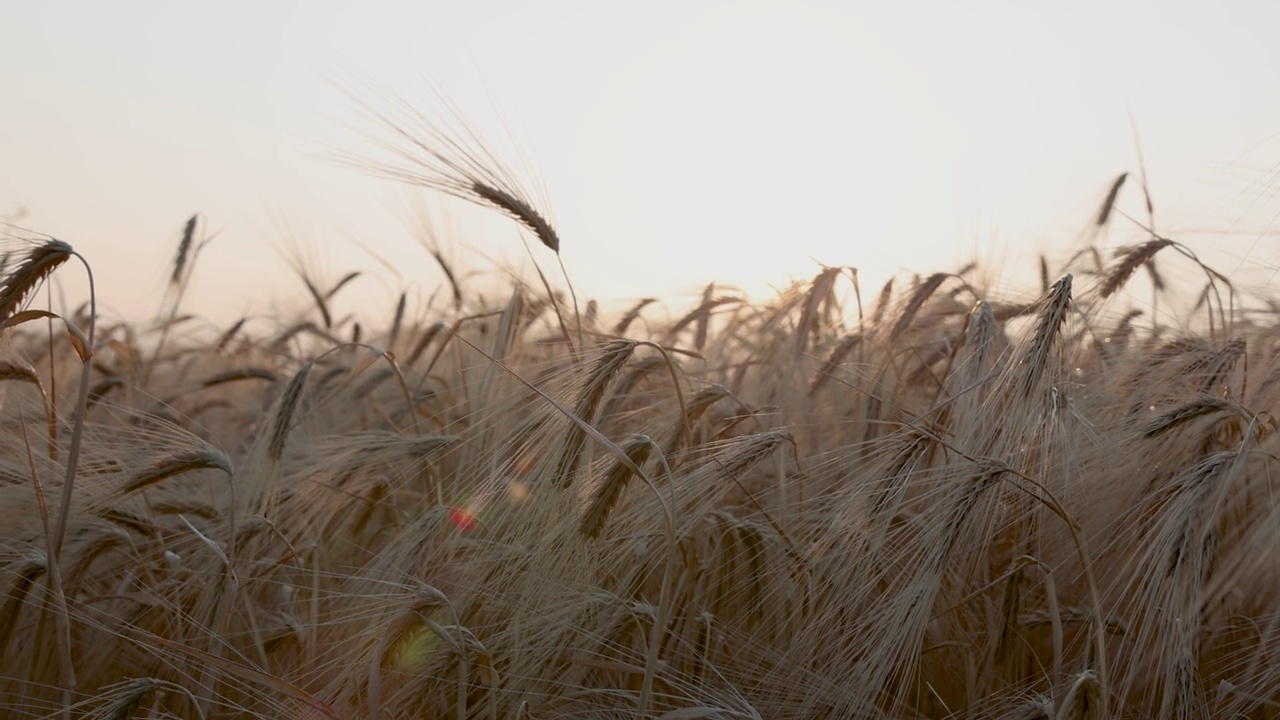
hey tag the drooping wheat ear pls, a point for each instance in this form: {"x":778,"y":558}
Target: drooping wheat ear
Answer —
{"x":102,"y":387}
{"x":441,"y":153}
{"x":631,"y":315}
{"x":421,"y":346}
{"x":447,"y":269}
{"x":882,"y":303}
{"x":520,"y":210}
{"x":35,"y":267}
{"x":230,"y":334}
{"x":1104,"y":213}
{"x":1201,"y":406}
{"x":184,"y":251}
{"x":283,"y":416}
{"x":698,"y":405}
{"x":598,"y":378}
{"x":320,"y":302}
{"x":397,"y":321}
{"x":396,"y":642}
{"x":822,"y":291}
{"x":1130,"y":259}
{"x":749,"y":450}
{"x":917,"y":301}
{"x":983,"y":341}
{"x":236,"y":374}
{"x":622,"y":389}
{"x":1220,"y":364}
{"x":701,"y":315}
{"x":132,"y":694}
{"x":1084,"y":699}
{"x":608,"y":492}
{"x":832,"y":364}
{"x":203,"y":458}
{"x":1039,"y":350}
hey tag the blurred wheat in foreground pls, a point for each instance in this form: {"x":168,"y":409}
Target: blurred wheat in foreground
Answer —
{"x":945,"y":506}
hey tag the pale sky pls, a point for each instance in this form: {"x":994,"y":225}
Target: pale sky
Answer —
{"x":678,"y":142}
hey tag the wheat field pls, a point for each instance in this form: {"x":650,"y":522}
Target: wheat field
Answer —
{"x":921,"y":502}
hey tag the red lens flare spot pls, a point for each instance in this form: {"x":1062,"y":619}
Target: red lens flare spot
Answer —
{"x":463,"y":519}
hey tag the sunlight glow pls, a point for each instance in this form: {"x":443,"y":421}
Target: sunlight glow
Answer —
{"x":743,"y":143}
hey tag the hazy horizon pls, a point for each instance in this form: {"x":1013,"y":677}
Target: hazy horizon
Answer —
{"x":738,"y":142}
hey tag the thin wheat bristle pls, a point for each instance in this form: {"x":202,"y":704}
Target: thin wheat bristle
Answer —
{"x":38,"y":264}
{"x":1130,"y":259}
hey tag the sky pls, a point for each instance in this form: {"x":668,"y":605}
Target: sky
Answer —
{"x":675,"y":142}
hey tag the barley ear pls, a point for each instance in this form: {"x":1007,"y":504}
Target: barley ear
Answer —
{"x":598,"y":378}
{"x":519,"y":210}
{"x":918,"y":298}
{"x":1104,"y":213}
{"x":1131,"y":259}
{"x":35,"y":267}
{"x":610,"y":488}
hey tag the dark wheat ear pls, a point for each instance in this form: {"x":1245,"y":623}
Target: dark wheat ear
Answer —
{"x":184,"y":250}
{"x":1130,"y":259}
{"x":37,"y":265}
{"x":521,"y":211}
{"x":1104,"y":213}
{"x":445,"y":155}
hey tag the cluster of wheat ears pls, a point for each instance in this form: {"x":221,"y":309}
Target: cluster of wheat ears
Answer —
{"x":944,"y":506}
